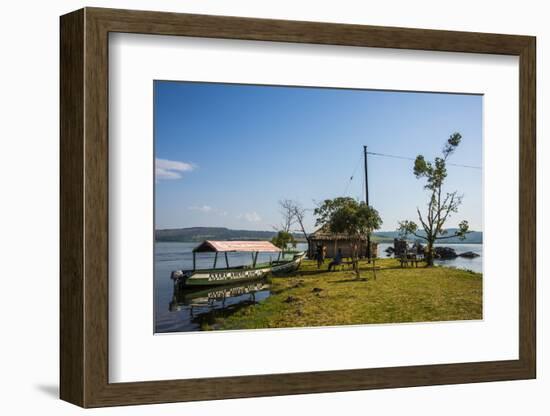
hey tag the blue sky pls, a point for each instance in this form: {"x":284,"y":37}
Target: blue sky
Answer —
{"x":225,"y":154}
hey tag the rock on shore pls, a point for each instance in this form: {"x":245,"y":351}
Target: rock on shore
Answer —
{"x":445,"y":253}
{"x":469,"y":255}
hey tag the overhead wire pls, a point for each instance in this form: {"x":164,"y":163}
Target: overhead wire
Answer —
{"x":393,"y":157}
{"x":412,"y":158}
{"x":353,"y":174}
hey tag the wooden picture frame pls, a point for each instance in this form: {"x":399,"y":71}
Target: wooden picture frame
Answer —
{"x":84,"y":207}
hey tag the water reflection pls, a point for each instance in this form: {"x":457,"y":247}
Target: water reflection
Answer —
{"x":199,"y":307}
{"x":171,"y":317}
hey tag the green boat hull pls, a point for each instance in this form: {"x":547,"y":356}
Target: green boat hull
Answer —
{"x":218,"y":277}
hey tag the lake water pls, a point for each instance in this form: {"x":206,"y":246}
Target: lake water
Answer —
{"x":475,"y":264}
{"x":177,"y":311}
{"x":188,"y":310}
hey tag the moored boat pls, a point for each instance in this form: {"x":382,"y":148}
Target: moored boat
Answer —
{"x":222,"y":276}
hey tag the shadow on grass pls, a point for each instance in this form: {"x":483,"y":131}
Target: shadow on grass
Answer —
{"x":287,"y":288}
{"x":305,"y":273}
{"x":353,"y":280}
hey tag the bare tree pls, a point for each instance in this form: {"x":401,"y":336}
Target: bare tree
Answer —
{"x":287,"y":211}
{"x":299,"y":215}
{"x":292,"y":213}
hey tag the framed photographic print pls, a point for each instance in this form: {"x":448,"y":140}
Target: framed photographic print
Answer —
{"x":255,"y":207}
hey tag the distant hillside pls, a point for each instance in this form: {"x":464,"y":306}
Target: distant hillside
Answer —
{"x":197,"y":234}
{"x":475,"y":237}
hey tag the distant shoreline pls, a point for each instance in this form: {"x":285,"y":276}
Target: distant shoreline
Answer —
{"x":199,"y":234}
{"x":305,"y":242}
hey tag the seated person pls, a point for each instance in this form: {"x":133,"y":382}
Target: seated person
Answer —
{"x":336,"y":260}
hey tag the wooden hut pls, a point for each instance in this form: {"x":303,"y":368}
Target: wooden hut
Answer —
{"x":333,"y":242}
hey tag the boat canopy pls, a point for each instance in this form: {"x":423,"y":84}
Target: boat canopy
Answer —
{"x":240,"y":246}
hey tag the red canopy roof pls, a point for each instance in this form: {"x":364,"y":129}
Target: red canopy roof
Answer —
{"x":211,"y":246}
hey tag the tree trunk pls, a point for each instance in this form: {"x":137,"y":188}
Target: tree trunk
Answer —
{"x":430,"y":253}
{"x":356,"y":267}
{"x":355,"y":260}
{"x":299,"y":217}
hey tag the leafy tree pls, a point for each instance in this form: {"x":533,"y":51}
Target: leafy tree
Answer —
{"x":440,"y":205}
{"x":348,"y":216}
{"x":283,"y":239}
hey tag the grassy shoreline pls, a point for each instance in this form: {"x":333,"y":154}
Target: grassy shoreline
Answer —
{"x":312,"y":297}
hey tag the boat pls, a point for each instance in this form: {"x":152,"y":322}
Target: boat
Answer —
{"x":216,"y":276}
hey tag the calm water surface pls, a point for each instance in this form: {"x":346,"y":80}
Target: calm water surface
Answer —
{"x":475,"y":264}
{"x":177,"y":311}
{"x":188,"y":310}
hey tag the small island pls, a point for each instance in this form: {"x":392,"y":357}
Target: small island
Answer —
{"x":309,"y":298}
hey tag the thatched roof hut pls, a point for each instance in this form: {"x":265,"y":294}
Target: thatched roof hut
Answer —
{"x":332,"y":242}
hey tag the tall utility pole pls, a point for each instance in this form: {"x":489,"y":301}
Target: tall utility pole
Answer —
{"x":367,"y":198}
{"x":366,"y":177}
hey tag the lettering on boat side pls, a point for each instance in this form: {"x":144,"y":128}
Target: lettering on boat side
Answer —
{"x":233,"y":275}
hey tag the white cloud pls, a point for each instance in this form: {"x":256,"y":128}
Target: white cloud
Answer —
{"x":207,"y":209}
{"x":202,"y":208}
{"x":250,"y":216}
{"x":171,"y":169}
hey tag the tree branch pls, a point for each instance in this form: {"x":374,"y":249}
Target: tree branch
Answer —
{"x":420,"y":236}
{"x":451,"y":236}
{"x":422,"y":221}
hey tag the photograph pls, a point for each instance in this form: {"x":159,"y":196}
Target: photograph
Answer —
{"x":283,"y":206}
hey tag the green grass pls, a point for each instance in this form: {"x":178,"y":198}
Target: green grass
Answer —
{"x":311,"y":297}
